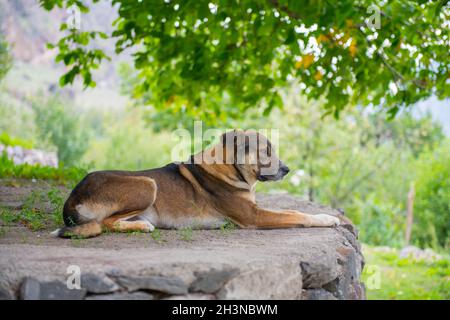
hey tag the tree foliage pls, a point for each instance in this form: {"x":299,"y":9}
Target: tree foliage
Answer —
{"x":216,"y":59}
{"x":432,"y":207}
{"x":61,"y":128}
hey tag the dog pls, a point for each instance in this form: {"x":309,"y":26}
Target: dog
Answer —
{"x":212,"y":187}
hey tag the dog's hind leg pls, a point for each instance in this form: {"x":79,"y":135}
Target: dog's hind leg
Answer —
{"x":84,"y":230}
{"x":119,"y":223}
{"x":107,"y":199}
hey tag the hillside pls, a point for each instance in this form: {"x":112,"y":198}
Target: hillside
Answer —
{"x":28,"y":28}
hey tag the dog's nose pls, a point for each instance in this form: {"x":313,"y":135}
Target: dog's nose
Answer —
{"x":285,"y":169}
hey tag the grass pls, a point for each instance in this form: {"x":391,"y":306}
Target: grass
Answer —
{"x":388,"y":277}
{"x":7,"y":217}
{"x":157,"y":235}
{"x":56,"y":199}
{"x":3,"y":231}
{"x":33,"y":213}
{"x":186,"y":234}
{"x":7,"y":140}
{"x":29,"y":217}
{"x":63,"y":175}
{"x":77,"y":241}
{"x":228,"y":226}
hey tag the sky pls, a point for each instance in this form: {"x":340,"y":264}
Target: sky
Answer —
{"x":440,"y":110}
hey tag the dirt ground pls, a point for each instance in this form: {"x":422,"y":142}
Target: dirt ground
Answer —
{"x":167,"y":238}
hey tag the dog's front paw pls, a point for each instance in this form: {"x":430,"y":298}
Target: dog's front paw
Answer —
{"x":326,"y":220}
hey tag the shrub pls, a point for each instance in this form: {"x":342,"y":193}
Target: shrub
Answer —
{"x":61,"y":128}
{"x":432,"y":205}
{"x":382,"y":223}
{"x":66,"y":175}
{"x":7,"y":140}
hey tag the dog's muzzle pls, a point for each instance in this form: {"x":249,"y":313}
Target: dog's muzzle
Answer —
{"x":282,"y":171}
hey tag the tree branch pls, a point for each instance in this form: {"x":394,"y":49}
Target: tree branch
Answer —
{"x":284,"y":9}
{"x":397,"y":75}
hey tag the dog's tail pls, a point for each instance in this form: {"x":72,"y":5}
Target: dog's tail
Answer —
{"x":85,"y":230}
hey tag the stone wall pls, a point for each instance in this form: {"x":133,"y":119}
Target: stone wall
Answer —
{"x":298,"y":263}
{"x":31,"y":156}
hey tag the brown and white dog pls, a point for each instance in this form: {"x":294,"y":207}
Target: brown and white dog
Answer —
{"x":215,"y":185}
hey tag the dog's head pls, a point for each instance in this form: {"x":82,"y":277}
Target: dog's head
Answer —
{"x":253,"y":156}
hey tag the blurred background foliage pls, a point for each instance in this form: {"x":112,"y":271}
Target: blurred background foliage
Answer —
{"x":433,"y":194}
{"x":5,"y":57}
{"x":361,"y":163}
{"x":59,"y":127}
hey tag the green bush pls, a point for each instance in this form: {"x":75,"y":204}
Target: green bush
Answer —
{"x":66,"y":175}
{"x":129,"y":144}
{"x":382,"y":223}
{"x":16,"y":117}
{"x":432,"y":205}
{"x":62,"y":128}
{"x":7,"y":140}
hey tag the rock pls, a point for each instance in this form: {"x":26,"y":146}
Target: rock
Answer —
{"x":351,"y":237}
{"x":169,"y":285}
{"x":5,"y":294}
{"x":21,"y":155}
{"x":123,"y":296}
{"x":347,"y":285}
{"x":317,"y":294}
{"x":32,"y":289}
{"x":97,"y":284}
{"x":322,"y":271}
{"x":212,"y":280}
{"x":271,"y":281}
{"x":347,"y":224}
